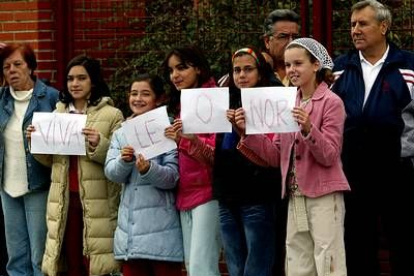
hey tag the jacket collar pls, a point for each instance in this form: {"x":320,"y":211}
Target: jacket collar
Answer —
{"x":317,"y":95}
{"x":62,"y":107}
{"x":394,"y":56}
{"x":39,"y":89}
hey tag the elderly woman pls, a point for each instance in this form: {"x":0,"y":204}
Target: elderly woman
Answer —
{"x":24,"y":181}
{"x":3,"y":250}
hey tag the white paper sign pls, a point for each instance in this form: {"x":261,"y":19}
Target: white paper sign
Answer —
{"x":269,"y":109}
{"x":145,"y":133}
{"x":203,"y":110}
{"x":58,"y":133}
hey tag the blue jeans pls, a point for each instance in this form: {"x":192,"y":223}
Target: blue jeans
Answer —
{"x":25,"y":227}
{"x":3,"y":252}
{"x":201,"y":237}
{"x":248,"y":238}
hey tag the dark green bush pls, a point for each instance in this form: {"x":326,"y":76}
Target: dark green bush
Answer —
{"x":221,"y":26}
{"x":218,"y":27}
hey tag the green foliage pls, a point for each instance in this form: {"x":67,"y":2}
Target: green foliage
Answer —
{"x":401,"y":29}
{"x":219,"y":27}
{"x":402,"y":25}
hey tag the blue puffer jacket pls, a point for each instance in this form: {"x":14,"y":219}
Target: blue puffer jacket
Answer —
{"x":44,"y":99}
{"x":373,"y":132}
{"x":148,"y":221}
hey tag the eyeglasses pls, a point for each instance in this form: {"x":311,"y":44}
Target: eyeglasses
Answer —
{"x":246,"y":70}
{"x":285,"y":36}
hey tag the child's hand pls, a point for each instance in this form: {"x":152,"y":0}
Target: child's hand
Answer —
{"x":92,"y":136}
{"x":172,"y":134}
{"x":230,"y":116}
{"x":175,"y":132}
{"x":29,"y":130}
{"x":142,"y":164}
{"x":127,"y":153}
{"x":240,"y":121}
{"x":302,"y":117}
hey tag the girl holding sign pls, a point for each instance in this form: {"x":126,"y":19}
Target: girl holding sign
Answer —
{"x":82,"y":205}
{"x":186,"y":68}
{"x":148,"y":236}
{"x":245,"y":190}
{"x":310,"y":161}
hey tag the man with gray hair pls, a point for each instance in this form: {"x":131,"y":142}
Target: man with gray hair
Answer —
{"x":375,"y":81}
{"x":281,"y":26}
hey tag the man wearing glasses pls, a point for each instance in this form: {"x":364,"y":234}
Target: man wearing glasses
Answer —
{"x":281,"y":26}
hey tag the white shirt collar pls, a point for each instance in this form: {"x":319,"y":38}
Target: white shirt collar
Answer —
{"x":380,"y":61}
{"x":72,"y":109}
{"x":21,"y":96}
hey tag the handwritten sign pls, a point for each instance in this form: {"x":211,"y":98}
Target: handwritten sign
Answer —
{"x":58,"y":133}
{"x":269,"y":109}
{"x":145,"y":133}
{"x":203,"y":110}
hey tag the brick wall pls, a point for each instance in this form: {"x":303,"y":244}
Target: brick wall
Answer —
{"x":32,"y":22}
{"x":58,"y":30}
{"x":102,"y":29}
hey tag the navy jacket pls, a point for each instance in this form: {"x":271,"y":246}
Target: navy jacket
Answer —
{"x":373,"y":132}
{"x":236,"y":179}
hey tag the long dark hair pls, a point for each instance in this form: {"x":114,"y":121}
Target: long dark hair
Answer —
{"x":189,"y":55}
{"x":99,"y":88}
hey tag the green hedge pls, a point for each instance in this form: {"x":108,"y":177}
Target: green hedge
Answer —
{"x":219,"y":27}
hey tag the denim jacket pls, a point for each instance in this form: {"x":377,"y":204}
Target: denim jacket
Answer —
{"x":44,"y":99}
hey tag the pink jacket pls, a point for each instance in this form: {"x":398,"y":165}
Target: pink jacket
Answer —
{"x":195,"y":169}
{"x":318,"y":155}
{"x":195,"y":173}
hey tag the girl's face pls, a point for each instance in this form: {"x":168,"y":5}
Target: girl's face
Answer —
{"x":299,"y":68}
{"x":245,"y":72}
{"x":79,"y":83}
{"x":183,"y":76}
{"x":142,"y":98}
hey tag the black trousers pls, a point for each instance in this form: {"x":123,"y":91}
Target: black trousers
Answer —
{"x":280,"y":239}
{"x":379,"y":206}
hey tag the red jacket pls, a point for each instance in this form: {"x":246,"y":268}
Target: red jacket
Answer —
{"x":318,"y":155}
